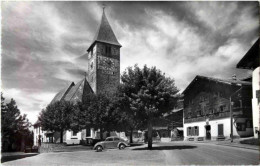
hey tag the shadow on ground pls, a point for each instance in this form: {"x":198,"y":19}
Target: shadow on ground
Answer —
{"x":75,"y":148}
{"x":136,"y":144}
{"x":16,"y":157}
{"x":168,"y":147}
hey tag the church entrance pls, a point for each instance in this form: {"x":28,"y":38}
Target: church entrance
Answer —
{"x":208,"y":132}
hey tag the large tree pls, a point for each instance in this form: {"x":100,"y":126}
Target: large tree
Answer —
{"x":58,"y":117}
{"x":14,"y":127}
{"x":127,"y":119}
{"x":150,"y":93}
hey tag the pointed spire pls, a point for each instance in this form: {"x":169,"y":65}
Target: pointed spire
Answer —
{"x":105,"y":33}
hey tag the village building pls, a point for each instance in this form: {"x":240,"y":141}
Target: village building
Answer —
{"x":208,"y":103}
{"x":103,"y":76}
{"x":251,"y":61}
{"x":170,"y":126}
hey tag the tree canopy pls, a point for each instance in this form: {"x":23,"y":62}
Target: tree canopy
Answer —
{"x":99,"y":112}
{"x":150,"y":94}
{"x":14,"y":127}
{"x":58,"y":117}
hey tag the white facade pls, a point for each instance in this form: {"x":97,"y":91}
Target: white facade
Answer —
{"x":255,"y":102}
{"x":71,"y":138}
{"x":38,"y":133}
{"x":214,"y":127}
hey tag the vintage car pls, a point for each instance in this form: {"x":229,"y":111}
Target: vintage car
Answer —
{"x":111,"y":142}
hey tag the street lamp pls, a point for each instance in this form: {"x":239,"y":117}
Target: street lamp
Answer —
{"x":231,"y":111}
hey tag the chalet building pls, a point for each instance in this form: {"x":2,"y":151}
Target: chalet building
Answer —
{"x":250,"y":61}
{"x":103,"y":76}
{"x":207,"y":109}
{"x":170,"y":127}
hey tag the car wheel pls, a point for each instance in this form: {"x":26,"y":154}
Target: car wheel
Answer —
{"x":99,"y":148}
{"x":121,"y":146}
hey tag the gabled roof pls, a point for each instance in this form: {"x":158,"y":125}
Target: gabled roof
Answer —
{"x":251,"y":59}
{"x":74,"y":93}
{"x":105,"y":33}
{"x":61,"y":94}
{"x":226,"y":81}
{"x":77,"y":92}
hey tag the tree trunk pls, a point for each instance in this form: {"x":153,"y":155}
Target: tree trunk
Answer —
{"x":101,"y":134}
{"x":131,"y":136}
{"x":150,"y":134}
{"x":61,"y":136}
{"x":22,"y":143}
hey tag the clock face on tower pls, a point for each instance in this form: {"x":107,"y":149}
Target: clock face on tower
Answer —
{"x":108,"y":65}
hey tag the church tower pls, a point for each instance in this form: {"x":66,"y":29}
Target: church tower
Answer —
{"x":104,"y":59}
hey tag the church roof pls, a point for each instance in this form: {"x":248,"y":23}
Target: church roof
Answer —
{"x":105,"y":33}
{"x":75,"y":93}
{"x":61,"y":94}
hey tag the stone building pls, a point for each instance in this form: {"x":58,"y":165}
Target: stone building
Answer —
{"x":103,"y":76}
{"x":251,"y":61}
{"x":207,"y":106}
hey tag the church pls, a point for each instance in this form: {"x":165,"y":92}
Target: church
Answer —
{"x":103,"y":77}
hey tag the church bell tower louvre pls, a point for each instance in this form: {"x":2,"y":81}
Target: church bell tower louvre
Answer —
{"x":104,"y":59}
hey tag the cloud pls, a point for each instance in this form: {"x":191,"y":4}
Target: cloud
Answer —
{"x":29,"y":102}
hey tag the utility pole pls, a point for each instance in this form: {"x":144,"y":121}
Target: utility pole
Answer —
{"x":231,"y":119}
{"x":231,"y":112}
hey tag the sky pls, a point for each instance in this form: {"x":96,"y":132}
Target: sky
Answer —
{"x":44,"y":43}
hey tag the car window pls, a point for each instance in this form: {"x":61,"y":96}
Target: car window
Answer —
{"x":109,"y":139}
{"x":116,"y":139}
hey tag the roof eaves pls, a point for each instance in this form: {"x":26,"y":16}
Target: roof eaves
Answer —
{"x":229,"y":82}
{"x":249,"y":52}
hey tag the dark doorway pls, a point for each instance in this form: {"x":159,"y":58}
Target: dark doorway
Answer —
{"x":208,"y":132}
{"x":220,"y":130}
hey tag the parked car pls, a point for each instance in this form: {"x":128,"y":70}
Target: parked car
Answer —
{"x":73,"y":141}
{"x":111,"y":142}
{"x":31,"y":149}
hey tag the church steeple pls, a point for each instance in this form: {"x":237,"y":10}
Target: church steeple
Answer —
{"x":104,"y":59}
{"x":105,"y":33}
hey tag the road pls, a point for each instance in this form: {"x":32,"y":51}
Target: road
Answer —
{"x":176,"y":153}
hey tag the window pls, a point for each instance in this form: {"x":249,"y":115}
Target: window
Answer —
{"x":196,"y":128}
{"x":192,"y":131}
{"x":74,"y":133}
{"x":221,"y":109}
{"x":188,"y":131}
{"x":88,"y":132}
{"x":108,"y":50}
{"x":109,"y":139}
{"x":116,"y":139}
